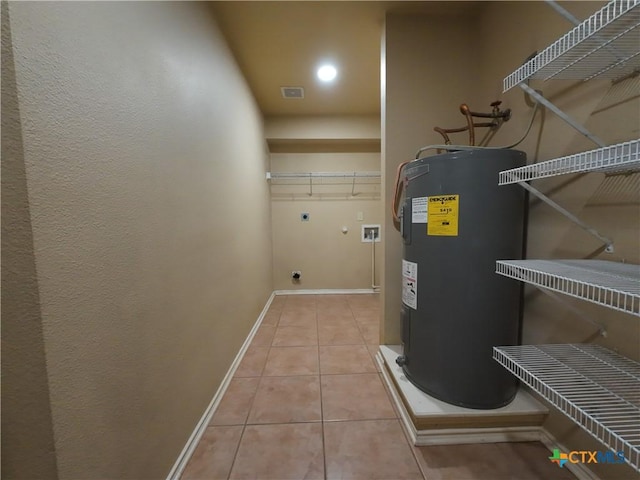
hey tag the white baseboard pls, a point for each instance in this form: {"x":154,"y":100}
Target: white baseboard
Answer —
{"x":486,"y":435}
{"x":192,"y":443}
{"x":325,"y":291}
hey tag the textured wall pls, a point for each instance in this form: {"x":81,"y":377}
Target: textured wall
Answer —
{"x":429,"y":70}
{"x":327,"y":257}
{"x":27,"y":428}
{"x":145,"y":161}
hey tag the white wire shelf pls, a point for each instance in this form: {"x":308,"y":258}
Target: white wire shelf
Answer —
{"x":610,"y":284}
{"x":605,"y":44}
{"x":595,"y":387}
{"x":621,"y":157}
{"x":319,"y":175}
{"x":326,"y":183}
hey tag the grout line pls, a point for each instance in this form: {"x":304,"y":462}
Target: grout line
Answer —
{"x":261,"y":376}
{"x":235,"y":454}
{"x":351,"y":420}
{"x":324,"y":449}
{"x":358,"y":324}
{"x":294,"y":422}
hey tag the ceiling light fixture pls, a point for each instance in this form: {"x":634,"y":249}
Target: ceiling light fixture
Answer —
{"x":327,"y":73}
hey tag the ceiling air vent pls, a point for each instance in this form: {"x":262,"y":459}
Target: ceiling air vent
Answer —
{"x":292,"y":92}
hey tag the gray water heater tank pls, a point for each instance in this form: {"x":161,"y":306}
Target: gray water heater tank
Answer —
{"x":456,"y":222}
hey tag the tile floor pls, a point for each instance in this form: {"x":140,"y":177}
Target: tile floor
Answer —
{"x":307,"y":402}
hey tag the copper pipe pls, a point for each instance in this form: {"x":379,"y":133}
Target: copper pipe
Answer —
{"x":397,"y":195}
{"x":464,"y":109}
{"x":495,"y":111}
{"x":497,"y":116}
{"x":447,"y":140}
{"x":444,"y":132}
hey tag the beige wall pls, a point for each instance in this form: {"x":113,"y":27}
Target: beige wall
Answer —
{"x":611,"y":205}
{"x":327,"y":257}
{"x":26,"y":413}
{"x":323,"y":127}
{"x":134,"y":173}
{"x":428,"y":71}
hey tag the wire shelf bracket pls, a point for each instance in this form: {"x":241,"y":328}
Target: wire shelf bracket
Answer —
{"x":595,"y":387}
{"x":610,"y":284}
{"x":573,"y":123}
{"x":608,"y":243}
{"x":623,"y":157}
{"x":605,"y":44}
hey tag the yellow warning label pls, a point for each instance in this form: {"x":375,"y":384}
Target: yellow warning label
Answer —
{"x":442,"y":215}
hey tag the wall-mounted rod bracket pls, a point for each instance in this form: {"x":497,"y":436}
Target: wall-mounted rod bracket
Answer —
{"x":578,"y":126}
{"x":607,"y":241}
{"x":576,"y":311}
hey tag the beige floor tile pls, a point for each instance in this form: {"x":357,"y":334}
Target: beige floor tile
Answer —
{"x":287,"y":400}
{"x":364,"y":301}
{"x":331,"y":298}
{"x":278,"y":302}
{"x":338,"y":309}
{"x":460,"y":462}
{"x":300,"y":301}
{"x":213,"y":457}
{"x":326,"y":318}
{"x":301,"y":297}
{"x":367,"y":321}
{"x":370,"y":332}
{"x":368,"y":450}
{"x":367,"y":316}
{"x":298,"y":310}
{"x":271,"y":318}
{"x":354,"y":397}
{"x":297,"y":319}
{"x":253,"y":362}
{"x":345,"y":359}
{"x":287,"y":361}
{"x":280,"y":452}
{"x":526,"y":461}
{"x":339,"y":335}
{"x":292,"y":336}
{"x":531,"y":462}
{"x":235,"y":404}
{"x":264,"y":336}
{"x":331,"y":301}
{"x":373,"y":351}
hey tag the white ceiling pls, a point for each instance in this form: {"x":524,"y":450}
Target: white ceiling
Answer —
{"x":280,"y":44}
